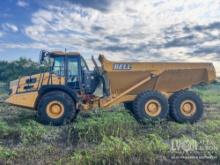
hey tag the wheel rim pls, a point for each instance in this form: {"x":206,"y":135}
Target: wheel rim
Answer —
{"x":153,"y":108}
{"x":55,"y":109}
{"x":188,"y":108}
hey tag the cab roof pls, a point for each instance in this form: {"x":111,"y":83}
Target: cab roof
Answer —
{"x":61,"y":53}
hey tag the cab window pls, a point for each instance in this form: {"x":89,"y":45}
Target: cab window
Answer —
{"x":73,"y":72}
{"x":58,"y":66}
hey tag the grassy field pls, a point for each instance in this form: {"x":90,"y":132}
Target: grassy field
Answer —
{"x":111,"y":137}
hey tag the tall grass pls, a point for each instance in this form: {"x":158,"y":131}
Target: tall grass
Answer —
{"x":105,"y":137}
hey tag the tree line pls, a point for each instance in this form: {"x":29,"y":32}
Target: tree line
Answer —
{"x":21,"y":67}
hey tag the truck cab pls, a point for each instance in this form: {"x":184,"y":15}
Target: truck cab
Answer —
{"x":73,"y":68}
{"x":67,"y":72}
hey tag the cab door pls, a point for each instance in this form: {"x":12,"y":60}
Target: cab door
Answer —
{"x":73,"y":78}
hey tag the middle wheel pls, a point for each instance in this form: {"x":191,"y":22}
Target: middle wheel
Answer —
{"x":150,"y":105}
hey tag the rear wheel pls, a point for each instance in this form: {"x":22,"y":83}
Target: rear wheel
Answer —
{"x":186,"y":106}
{"x":150,"y":105}
{"x":56,"y":108}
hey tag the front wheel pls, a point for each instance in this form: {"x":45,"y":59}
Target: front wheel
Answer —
{"x":56,"y":108}
{"x":186,"y":106}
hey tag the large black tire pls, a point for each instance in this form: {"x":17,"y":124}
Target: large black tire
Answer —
{"x":147,"y":98}
{"x":194,"y":111}
{"x":128,"y":105}
{"x":56,"y":99}
{"x":170,"y":100}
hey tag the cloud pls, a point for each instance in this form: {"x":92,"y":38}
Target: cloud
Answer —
{"x":95,"y":4}
{"x":8,"y":27}
{"x":160,"y":30}
{"x":22,"y":3}
{"x":212,"y":26}
{"x":23,"y":46}
{"x":112,"y":38}
{"x":1,"y":34}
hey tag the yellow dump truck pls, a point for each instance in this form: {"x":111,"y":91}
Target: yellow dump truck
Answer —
{"x":149,"y":90}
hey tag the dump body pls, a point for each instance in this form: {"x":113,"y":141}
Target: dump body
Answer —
{"x":172,"y":77}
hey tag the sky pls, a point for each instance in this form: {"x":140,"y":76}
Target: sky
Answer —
{"x":122,"y":30}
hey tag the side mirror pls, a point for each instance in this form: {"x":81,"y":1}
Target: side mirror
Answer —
{"x":42,"y":55}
